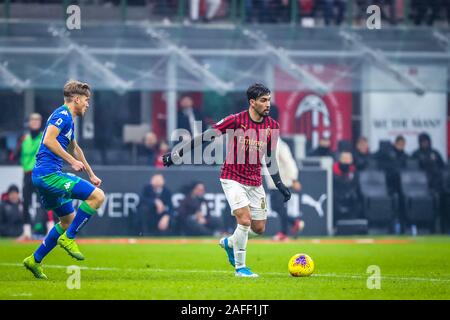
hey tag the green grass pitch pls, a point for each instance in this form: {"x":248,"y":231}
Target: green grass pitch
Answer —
{"x":411,"y":268}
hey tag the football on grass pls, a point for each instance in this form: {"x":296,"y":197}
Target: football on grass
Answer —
{"x":301,"y":265}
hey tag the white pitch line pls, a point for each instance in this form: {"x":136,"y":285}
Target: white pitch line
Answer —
{"x":327,"y":275}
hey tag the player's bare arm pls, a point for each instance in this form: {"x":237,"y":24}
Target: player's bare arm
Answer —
{"x":78,"y":153}
{"x":54,"y":146}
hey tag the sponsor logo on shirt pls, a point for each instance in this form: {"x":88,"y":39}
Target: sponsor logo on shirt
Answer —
{"x":68,"y":135}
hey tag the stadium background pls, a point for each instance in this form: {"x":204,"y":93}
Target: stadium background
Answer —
{"x":338,"y":81}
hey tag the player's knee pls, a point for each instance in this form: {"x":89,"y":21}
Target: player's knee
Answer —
{"x":96,"y":199}
{"x":245,"y":221}
{"x":98,"y":196}
{"x":65,"y":221}
{"x":243,"y":218}
{"x":64,"y":225}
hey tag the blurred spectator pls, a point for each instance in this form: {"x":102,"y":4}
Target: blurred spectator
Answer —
{"x":393,"y":180}
{"x":150,"y":148}
{"x":430,"y":161}
{"x":155,"y":210}
{"x":11,"y":213}
{"x":347,"y":203}
{"x":425,"y":11}
{"x":193,"y":216}
{"x":401,"y":158}
{"x":282,"y":9}
{"x":446,"y":8}
{"x":362,"y":155}
{"x":324,"y":149}
{"x":189,"y":118}
{"x":395,"y":160}
{"x":289,"y":176}
{"x":392,"y":159}
{"x":257,"y":11}
{"x":388,"y":10}
{"x":212,"y":7}
{"x":385,"y":157}
{"x":163,"y":149}
{"x":361,"y":11}
{"x":306,"y":7}
{"x":333,"y":10}
{"x":164,"y":8}
{"x":26,"y":151}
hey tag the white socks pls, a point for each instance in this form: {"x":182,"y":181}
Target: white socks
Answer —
{"x":239,"y":243}
{"x":27,"y":230}
{"x":252,"y":234}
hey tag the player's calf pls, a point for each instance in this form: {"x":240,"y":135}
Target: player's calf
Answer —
{"x":86,"y":210}
{"x":258,"y":229}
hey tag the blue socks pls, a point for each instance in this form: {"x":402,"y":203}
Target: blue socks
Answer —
{"x":84,"y":213}
{"x":49,"y":243}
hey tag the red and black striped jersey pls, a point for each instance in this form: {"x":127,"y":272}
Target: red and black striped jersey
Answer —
{"x":248,"y":142}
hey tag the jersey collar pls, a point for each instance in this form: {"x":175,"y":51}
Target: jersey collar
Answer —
{"x":68,"y":110}
{"x":250,"y":117}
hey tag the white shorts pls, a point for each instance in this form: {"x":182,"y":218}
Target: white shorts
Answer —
{"x":240,"y":196}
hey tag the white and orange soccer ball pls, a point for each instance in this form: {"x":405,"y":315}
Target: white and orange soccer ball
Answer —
{"x":301,"y":265}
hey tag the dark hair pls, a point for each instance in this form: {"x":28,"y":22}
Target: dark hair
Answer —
{"x":423,"y":136}
{"x":13,"y":188}
{"x":399,"y":138}
{"x":257,"y":90}
{"x":188,"y":188}
{"x":361,"y":138}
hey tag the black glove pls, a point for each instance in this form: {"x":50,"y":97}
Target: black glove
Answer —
{"x":172,"y":158}
{"x":167,"y":159}
{"x":284,"y":191}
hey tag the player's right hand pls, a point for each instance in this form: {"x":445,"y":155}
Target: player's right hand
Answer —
{"x":78,"y":166}
{"x":167,"y":160}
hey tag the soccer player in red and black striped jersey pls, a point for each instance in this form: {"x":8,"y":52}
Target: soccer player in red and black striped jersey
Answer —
{"x":253,"y":138}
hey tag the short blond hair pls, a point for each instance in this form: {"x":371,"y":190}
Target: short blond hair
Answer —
{"x":74,"y":87}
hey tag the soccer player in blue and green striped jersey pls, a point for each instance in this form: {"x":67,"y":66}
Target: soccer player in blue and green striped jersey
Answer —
{"x":56,"y":188}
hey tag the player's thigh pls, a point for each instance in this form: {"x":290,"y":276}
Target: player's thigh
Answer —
{"x":236,"y":195}
{"x":62,"y":207}
{"x":51,"y":191}
{"x":82,"y":189}
{"x":258,"y":203}
{"x":57,"y":184}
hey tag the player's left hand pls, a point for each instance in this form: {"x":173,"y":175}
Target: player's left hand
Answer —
{"x":167,"y":159}
{"x":95,"y":180}
{"x":284,"y":191}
